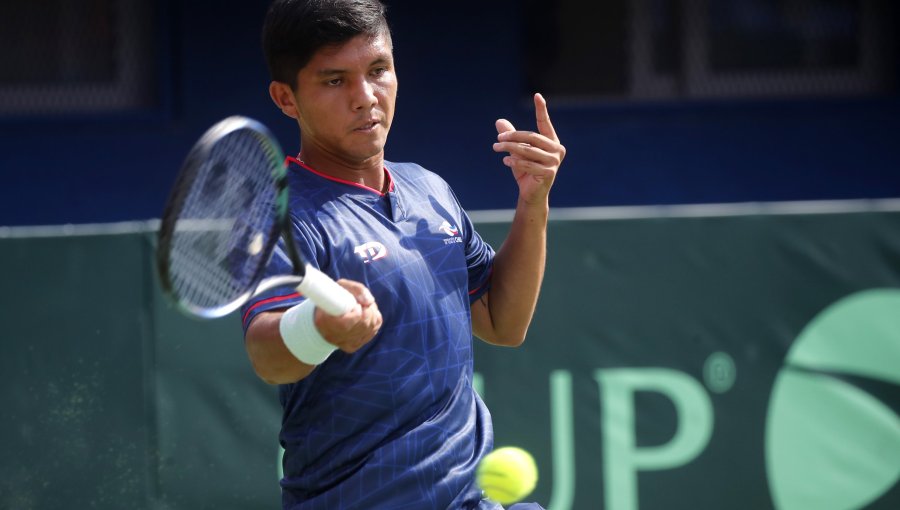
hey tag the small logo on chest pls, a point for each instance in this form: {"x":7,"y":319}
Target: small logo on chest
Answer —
{"x":451,"y":231}
{"x":371,"y":251}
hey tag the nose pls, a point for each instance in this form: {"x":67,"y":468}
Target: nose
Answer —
{"x":364,"y":95}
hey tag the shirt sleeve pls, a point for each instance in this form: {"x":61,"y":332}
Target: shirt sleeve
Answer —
{"x":479,"y":257}
{"x":280,"y":264}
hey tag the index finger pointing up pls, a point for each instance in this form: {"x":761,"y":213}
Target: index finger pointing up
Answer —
{"x":545,"y":127}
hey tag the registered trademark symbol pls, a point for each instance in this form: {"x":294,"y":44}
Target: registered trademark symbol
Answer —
{"x":719,"y":372}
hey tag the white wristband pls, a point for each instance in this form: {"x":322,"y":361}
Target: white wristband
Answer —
{"x":300,"y":335}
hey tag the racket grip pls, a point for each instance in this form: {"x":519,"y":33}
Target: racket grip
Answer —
{"x":325,"y":292}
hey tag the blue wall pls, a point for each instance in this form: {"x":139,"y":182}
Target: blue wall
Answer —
{"x":459,"y":70}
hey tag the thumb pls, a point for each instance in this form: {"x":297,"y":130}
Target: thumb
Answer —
{"x":504,"y":125}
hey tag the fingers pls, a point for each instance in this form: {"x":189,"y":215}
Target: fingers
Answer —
{"x":545,"y":127}
{"x":529,"y":146}
{"x":504,"y":125}
{"x":530,"y":152}
{"x":529,"y":167}
{"x":354,"y":329}
{"x":545,"y":138}
{"x":533,"y":156}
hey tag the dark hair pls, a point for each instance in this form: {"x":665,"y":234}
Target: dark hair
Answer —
{"x":295,"y":29}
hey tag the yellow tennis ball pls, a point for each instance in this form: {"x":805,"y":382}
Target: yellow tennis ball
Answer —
{"x":507,"y":475}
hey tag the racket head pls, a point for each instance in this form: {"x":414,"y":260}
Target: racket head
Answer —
{"x":223,"y":218}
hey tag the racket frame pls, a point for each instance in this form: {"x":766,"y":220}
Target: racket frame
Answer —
{"x":280,"y":227}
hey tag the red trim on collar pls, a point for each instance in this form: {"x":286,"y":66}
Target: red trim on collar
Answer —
{"x":292,"y":159}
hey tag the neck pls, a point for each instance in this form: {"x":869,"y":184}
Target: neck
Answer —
{"x":368,"y":172}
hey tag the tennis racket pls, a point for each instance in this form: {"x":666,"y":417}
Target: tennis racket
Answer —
{"x":222,"y":221}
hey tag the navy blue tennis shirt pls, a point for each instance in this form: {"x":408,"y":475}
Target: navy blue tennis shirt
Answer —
{"x":395,"y":425}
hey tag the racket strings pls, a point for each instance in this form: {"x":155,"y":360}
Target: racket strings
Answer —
{"x":226,"y":222}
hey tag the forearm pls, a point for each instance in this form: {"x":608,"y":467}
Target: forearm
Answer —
{"x":271,"y":360}
{"x":517,"y":274}
{"x":278,"y":340}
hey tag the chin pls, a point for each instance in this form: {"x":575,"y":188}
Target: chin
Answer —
{"x":373,"y":151}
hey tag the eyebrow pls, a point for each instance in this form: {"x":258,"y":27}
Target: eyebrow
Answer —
{"x":377,"y":61}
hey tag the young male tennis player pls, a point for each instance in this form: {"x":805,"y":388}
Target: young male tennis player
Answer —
{"x":379,"y":410}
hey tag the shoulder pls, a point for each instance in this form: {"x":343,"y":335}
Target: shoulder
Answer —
{"x":411,"y":171}
{"x":416,"y":175}
{"x":308,"y":191}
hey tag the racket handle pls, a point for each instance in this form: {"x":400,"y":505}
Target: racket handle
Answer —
{"x":325,"y":292}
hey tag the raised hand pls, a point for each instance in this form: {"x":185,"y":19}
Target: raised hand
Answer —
{"x":534,"y":157}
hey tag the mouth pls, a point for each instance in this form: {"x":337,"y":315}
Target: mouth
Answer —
{"x":368,"y":126}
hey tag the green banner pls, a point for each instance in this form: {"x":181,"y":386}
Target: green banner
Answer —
{"x":725,"y":362}
{"x":721,"y":361}
{"x":77,"y":424}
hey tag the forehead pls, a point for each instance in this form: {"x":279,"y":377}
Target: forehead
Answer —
{"x":361,"y":50}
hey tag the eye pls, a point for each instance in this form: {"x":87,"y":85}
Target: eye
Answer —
{"x":378,"y":71}
{"x":335,"y":81}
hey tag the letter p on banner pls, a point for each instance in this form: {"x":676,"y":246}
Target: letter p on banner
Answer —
{"x":622,"y":459}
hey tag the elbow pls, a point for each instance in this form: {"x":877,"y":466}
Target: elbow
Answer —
{"x":280,"y":369}
{"x":269,"y":367}
{"x":507,"y":339}
{"x":268,"y":377}
{"x":276,"y":375}
{"x":515,"y":336}
{"x":264,"y":371}
{"x":514,"y":341}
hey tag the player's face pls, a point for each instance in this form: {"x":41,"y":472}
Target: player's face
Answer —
{"x":345,"y":99}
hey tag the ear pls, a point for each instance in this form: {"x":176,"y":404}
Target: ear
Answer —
{"x":283,"y":97}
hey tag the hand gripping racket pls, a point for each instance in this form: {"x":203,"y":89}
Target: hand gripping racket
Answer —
{"x":223,"y":220}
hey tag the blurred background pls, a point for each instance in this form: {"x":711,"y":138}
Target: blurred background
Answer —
{"x":657,"y":101}
{"x":719,"y":325}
